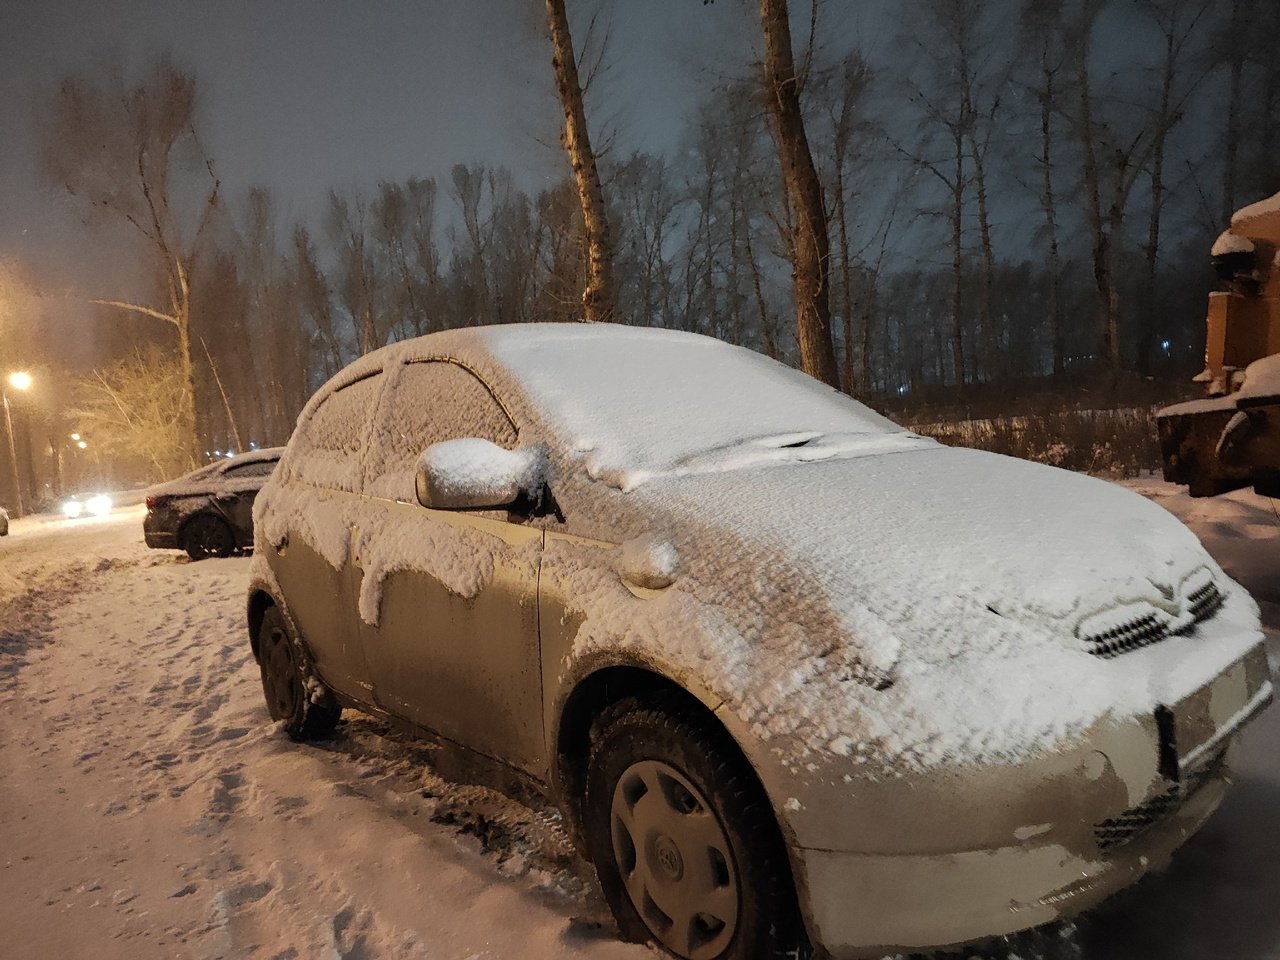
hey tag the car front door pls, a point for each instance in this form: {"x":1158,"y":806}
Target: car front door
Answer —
{"x":448,"y":599}
{"x":306,"y":538}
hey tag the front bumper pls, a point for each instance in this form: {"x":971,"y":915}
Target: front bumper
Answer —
{"x":1062,"y":862}
{"x":872,"y":905}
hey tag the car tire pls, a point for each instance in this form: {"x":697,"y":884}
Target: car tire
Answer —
{"x":208,"y":536}
{"x":684,"y":842}
{"x":295,"y":695}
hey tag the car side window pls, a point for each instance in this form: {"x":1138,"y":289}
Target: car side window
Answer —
{"x":329,"y":446}
{"x":260,"y":468}
{"x":429,"y":402}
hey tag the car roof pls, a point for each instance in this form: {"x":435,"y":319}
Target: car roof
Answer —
{"x":483,"y":344}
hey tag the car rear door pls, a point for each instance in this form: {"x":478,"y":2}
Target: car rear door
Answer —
{"x":307,"y":542}
{"x":448,"y":599}
{"x":242,"y":483}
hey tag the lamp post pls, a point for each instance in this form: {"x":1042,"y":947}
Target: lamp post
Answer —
{"x":19,"y":380}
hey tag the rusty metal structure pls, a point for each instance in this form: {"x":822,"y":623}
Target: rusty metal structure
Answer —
{"x":1231,"y":439}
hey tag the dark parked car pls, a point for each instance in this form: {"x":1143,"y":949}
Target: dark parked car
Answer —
{"x":209,"y":512}
{"x":4,"y":522}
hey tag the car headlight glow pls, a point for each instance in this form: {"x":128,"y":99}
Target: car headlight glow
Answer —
{"x":99,"y":505}
{"x":72,"y":509}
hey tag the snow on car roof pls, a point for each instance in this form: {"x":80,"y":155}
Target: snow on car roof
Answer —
{"x":211,"y":478}
{"x":638,"y":402}
{"x":641,"y":401}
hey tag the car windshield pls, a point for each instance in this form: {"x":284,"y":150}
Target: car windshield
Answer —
{"x":642,"y":400}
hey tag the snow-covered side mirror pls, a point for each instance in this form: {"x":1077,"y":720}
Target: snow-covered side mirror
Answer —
{"x":475,"y":474}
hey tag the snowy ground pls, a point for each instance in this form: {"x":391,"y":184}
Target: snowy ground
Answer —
{"x":148,"y":809}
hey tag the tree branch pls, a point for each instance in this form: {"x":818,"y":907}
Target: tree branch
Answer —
{"x":136,"y":308}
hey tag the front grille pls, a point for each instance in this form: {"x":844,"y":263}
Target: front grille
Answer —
{"x":1136,"y":821}
{"x":1152,"y":627}
{"x":1131,"y":635}
{"x":1204,"y":603}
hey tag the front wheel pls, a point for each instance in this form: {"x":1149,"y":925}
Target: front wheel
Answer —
{"x":294,"y":695}
{"x":684,"y":842}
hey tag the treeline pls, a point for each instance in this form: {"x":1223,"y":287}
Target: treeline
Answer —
{"x":1013,"y":190}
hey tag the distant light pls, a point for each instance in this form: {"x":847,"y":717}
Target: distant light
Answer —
{"x":252,"y":445}
{"x":75,"y":436}
{"x":903,"y":389}
{"x":72,"y":509}
{"x":82,"y":445}
{"x":229,"y":454}
{"x":1164,"y":344}
{"x":217,"y":453}
{"x":20,"y":380}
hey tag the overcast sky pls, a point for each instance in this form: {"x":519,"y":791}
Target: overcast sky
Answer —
{"x":304,"y":95}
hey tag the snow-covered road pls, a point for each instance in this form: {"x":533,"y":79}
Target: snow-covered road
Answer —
{"x":148,"y":809}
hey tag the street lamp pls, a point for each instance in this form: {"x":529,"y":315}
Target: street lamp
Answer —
{"x":18,"y":380}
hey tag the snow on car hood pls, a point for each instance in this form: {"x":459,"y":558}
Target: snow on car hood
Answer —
{"x":917,"y":609}
{"x":892,"y":532}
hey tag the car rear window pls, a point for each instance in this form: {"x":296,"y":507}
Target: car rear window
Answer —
{"x":259,"y":468}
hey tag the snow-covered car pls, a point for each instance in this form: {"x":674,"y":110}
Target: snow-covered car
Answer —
{"x":796,"y":676}
{"x":209,"y":512}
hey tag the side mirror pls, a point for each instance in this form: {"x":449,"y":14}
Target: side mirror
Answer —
{"x":474,"y":474}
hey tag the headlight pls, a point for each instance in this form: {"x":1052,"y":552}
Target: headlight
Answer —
{"x":72,"y":509}
{"x":99,"y":506}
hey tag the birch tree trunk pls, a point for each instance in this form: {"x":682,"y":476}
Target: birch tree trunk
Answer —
{"x":598,"y":299}
{"x":810,"y":247}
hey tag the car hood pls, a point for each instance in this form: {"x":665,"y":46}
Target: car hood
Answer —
{"x":887,"y":543}
{"x":905,"y":610}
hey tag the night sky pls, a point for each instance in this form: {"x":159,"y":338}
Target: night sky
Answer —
{"x":305,"y":95}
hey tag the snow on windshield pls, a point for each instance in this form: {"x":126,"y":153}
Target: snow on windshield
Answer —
{"x":636,"y":401}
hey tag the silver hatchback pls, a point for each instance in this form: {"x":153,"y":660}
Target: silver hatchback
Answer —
{"x":797,"y":677}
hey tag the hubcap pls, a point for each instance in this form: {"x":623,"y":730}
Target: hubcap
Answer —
{"x":280,"y":677}
{"x":674,"y":859}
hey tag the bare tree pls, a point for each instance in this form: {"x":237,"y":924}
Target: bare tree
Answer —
{"x":127,"y":408}
{"x":948,"y":166}
{"x":1178,"y":23}
{"x":1041,"y":21}
{"x":357,"y":283}
{"x":123,"y":148}
{"x":315,"y":301}
{"x":1234,"y":50}
{"x":599,"y":296}
{"x":647,"y":229}
{"x":810,"y":243}
{"x":843,"y":92}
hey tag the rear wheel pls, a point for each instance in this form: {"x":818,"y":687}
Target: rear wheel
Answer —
{"x":208,"y":536}
{"x":684,"y":843}
{"x":294,"y":695}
